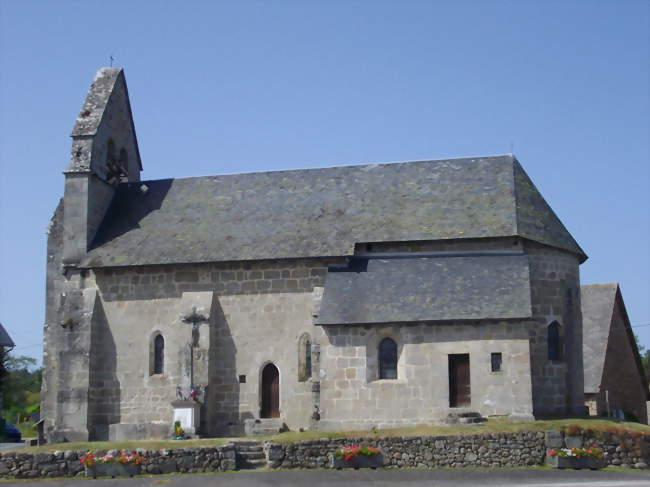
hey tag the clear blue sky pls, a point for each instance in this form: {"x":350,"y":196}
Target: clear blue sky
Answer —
{"x":220,"y":87}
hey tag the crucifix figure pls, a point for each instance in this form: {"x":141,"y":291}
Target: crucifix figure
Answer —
{"x":194,"y":319}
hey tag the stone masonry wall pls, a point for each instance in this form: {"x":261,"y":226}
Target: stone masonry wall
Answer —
{"x":620,"y":376}
{"x":353,"y":396}
{"x":54,"y":282}
{"x":66,"y":463}
{"x":558,"y":386}
{"x":258,"y":313}
{"x":624,"y":449}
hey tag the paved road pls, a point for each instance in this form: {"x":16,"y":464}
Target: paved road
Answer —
{"x":378,"y":478}
{"x":12,"y":446}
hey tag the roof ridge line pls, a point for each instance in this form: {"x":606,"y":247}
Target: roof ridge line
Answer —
{"x":514,"y":192}
{"x":339,"y":166}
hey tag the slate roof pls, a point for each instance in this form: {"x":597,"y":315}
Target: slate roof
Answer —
{"x":428,"y":289}
{"x":322,"y":212}
{"x":5,"y":339}
{"x":92,"y":111}
{"x":598,"y":303}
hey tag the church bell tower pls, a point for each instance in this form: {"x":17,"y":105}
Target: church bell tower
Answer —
{"x":104,"y":154}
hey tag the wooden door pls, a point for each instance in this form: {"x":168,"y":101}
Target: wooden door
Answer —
{"x":460,"y":393}
{"x":270,"y":392}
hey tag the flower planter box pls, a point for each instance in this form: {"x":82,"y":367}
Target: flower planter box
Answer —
{"x":112,"y":470}
{"x":359,"y":461}
{"x":592,"y":463}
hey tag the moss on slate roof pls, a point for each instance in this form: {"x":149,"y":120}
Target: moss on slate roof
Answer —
{"x":323,"y":212}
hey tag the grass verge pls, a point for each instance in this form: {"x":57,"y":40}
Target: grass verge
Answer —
{"x":493,"y":425}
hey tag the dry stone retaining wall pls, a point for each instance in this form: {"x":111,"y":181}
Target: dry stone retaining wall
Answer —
{"x":624,"y":448}
{"x":489,"y":450}
{"x":67,"y":464}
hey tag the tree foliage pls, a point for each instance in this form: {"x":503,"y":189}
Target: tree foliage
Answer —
{"x":642,"y":352}
{"x":21,"y":387}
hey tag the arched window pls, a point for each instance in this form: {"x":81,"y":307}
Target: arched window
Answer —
{"x":124,"y":165}
{"x":158,"y":354}
{"x":116,"y":166}
{"x":308,"y":357}
{"x":554,"y":341}
{"x":304,"y":357}
{"x":387,"y":359}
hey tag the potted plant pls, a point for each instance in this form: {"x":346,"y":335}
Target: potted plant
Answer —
{"x":179,"y":432}
{"x":355,"y":456}
{"x":592,"y":458}
{"x":113,"y":464}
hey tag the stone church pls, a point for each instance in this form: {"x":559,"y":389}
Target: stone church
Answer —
{"x":378,"y":295}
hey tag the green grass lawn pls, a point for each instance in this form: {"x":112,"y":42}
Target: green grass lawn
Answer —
{"x":28,"y":430}
{"x":496,"y":425}
{"x":493,"y":425}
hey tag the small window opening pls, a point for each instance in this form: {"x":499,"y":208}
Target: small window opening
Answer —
{"x":304,"y":357}
{"x":387,"y":359}
{"x":308,"y":358}
{"x":242,"y":379}
{"x":123,"y":165}
{"x":496,"y":362}
{"x":554,"y":342}
{"x":158,"y":354}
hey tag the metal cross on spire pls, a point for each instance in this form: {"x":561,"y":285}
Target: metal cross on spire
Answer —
{"x":112,"y":59}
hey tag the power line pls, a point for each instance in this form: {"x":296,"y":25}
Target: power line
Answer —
{"x":639,"y":326}
{"x":28,"y":346}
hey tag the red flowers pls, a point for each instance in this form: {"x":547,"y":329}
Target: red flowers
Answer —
{"x":132,"y":458}
{"x":351,"y":451}
{"x":88,"y":459}
{"x":592,"y":451}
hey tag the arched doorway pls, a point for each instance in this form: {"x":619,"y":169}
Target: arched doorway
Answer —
{"x":270,"y":392}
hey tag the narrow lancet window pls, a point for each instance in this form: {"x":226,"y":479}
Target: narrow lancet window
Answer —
{"x":308,"y":357}
{"x":387,"y":359}
{"x":158,"y":354}
{"x":304,"y":357}
{"x":554,"y":341}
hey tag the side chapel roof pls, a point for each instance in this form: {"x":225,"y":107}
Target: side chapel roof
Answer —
{"x":5,"y":339}
{"x":598,"y":302}
{"x":323,"y":212}
{"x":419,"y":289}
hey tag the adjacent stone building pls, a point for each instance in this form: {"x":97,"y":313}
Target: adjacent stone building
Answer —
{"x":6,"y":345}
{"x":613,"y":369}
{"x":335,"y":298}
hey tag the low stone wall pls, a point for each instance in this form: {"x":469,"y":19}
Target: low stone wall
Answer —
{"x":67,"y":464}
{"x":489,"y":450}
{"x":624,"y":449}
{"x":627,"y":449}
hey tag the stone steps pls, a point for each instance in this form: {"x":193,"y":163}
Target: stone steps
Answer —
{"x":250,"y":455}
{"x":263,"y":427}
{"x":468,"y":417}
